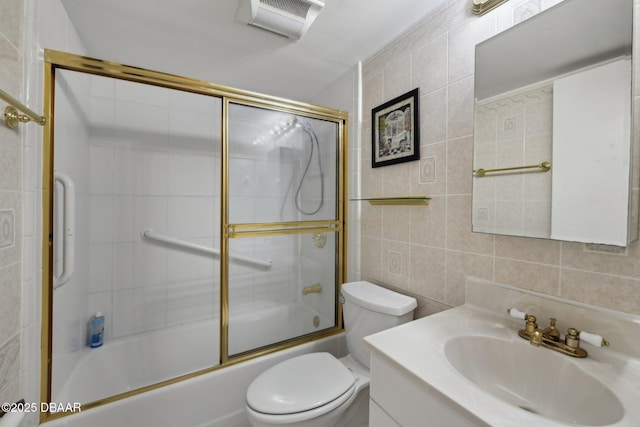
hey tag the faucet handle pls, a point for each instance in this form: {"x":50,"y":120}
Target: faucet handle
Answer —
{"x":514,"y":312}
{"x":572,"y":339}
{"x":531,"y":326}
{"x":593,"y":339}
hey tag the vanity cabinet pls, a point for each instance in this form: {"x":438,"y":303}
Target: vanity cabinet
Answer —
{"x":378,"y":417}
{"x":399,"y":399}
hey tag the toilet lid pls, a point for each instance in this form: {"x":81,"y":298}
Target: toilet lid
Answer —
{"x":299,"y":384}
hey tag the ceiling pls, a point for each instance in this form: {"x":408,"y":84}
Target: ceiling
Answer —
{"x":201,"y":39}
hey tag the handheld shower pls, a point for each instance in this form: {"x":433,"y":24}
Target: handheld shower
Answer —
{"x":313,"y":140}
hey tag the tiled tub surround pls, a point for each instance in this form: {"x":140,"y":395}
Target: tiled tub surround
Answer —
{"x":152,"y":162}
{"x":418,"y":350}
{"x":428,"y":250}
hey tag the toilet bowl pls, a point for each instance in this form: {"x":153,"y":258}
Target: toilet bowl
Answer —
{"x":318,"y":389}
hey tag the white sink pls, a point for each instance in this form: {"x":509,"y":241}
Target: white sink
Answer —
{"x":475,"y":367}
{"x":535,"y":379}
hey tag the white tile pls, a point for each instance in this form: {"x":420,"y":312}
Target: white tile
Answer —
{"x":82,"y":220}
{"x":102,"y":118}
{"x":185,"y":265}
{"x":124,"y":171}
{"x":104,"y":87}
{"x":190,"y":217}
{"x":123,"y":265}
{"x":140,"y":172}
{"x":28,"y":306}
{"x":141,"y":125}
{"x":28,"y":254}
{"x":243,"y":209}
{"x":274,"y":287}
{"x":272,"y":178}
{"x":28,"y":214}
{"x":199,"y":129}
{"x":139,"y":264}
{"x":124,"y":219}
{"x":141,"y":93}
{"x":101,"y":214}
{"x":151,"y":177}
{"x":101,"y":171}
{"x":242,"y":179}
{"x":188,"y":101}
{"x":30,"y":169}
{"x":100,"y":268}
{"x":149,"y":265}
{"x":124,"y":313}
{"x":191,"y":175}
{"x":241,"y":294}
{"x":191,"y":301}
{"x":138,"y":310}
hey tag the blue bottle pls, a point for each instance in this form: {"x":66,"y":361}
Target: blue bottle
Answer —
{"x":96,"y":330}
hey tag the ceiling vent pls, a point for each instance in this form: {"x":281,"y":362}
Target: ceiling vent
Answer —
{"x":289,"y":18}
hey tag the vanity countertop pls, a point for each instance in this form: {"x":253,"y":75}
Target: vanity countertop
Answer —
{"x":418,"y":348}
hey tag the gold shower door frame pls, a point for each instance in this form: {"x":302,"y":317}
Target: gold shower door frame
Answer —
{"x":54,"y":60}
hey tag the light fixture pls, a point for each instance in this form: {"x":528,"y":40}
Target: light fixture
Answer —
{"x":288,"y":18}
{"x":480,"y":7}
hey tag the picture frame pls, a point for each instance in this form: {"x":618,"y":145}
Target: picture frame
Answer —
{"x":395,"y":130}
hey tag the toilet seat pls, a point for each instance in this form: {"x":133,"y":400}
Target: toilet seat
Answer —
{"x":303,"y":387}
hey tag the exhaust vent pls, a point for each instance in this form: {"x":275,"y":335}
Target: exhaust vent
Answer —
{"x":288,"y":18}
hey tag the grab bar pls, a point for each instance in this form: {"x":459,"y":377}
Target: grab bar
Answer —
{"x":147,"y":233}
{"x":541,"y":167}
{"x":68,"y":224}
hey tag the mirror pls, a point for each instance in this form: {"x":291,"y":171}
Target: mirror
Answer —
{"x":553,"y":126}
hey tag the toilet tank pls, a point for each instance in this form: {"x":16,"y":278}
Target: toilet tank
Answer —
{"x":368,"y":309}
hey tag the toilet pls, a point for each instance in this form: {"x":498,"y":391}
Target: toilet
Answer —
{"x":317,"y":389}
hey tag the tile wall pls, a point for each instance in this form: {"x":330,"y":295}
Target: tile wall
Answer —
{"x":12,"y":227}
{"x":150,"y":170}
{"x":428,"y":251}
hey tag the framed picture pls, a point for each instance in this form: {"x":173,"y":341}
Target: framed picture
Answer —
{"x":395,"y":131}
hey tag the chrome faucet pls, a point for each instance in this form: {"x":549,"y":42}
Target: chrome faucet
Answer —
{"x":550,"y":337}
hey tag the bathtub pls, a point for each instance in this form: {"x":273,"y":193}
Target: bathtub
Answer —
{"x":128,"y":363}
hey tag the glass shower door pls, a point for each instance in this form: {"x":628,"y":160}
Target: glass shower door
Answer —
{"x":283,"y":217}
{"x":203,"y":223}
{"x":145,"y":166}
